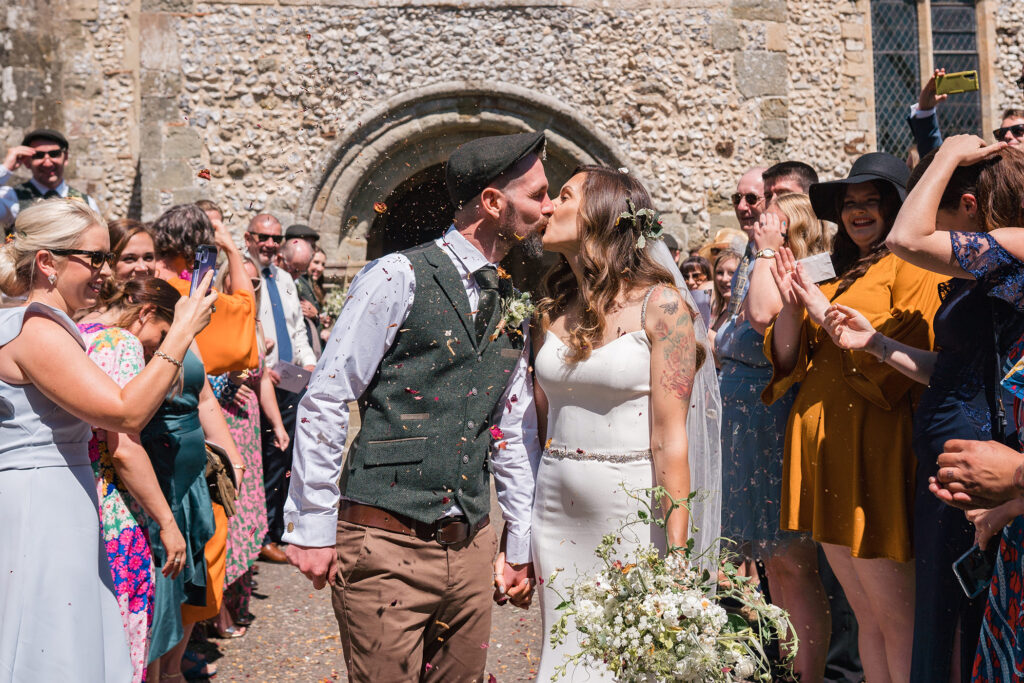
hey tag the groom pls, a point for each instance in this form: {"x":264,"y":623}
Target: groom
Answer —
{"x":444,"y":401}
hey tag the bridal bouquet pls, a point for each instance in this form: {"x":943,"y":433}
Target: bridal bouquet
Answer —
{"x":649,"y":617}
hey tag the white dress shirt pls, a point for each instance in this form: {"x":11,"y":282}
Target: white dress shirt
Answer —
{"x":379,"y":301}
{"x":302,"y":352}
{"x":9,"y":205}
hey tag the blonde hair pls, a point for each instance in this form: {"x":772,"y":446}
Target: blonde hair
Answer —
{"x":806,"y":234}
{"x":53,"y":224}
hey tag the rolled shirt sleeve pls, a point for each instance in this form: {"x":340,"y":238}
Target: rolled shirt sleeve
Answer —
{"x":515,"y":457}
{"x":378,"y":303}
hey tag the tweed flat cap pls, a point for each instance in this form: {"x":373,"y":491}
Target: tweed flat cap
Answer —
{"x":301,"y":231}
{"x":45,"y":134}
{"x":477,"y":163}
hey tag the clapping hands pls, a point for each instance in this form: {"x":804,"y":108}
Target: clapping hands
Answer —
{"x":848,"y":328}
{"x":796,"y":288}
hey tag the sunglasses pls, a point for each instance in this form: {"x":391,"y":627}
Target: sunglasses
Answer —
{"x":749,"y":197}
{"x":1016,"y":131}
{"x":96,"y":258}
{"x":53,"y":154}
{"x":263,"y":237}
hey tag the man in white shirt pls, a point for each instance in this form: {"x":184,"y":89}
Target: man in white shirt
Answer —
{"x":44,"y":152}
{"x":446,"y":399}
{"x":285,"y":332}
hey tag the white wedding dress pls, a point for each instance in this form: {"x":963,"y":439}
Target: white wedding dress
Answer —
{"x":599,"y":431}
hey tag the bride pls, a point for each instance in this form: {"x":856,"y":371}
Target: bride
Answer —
{"x":624,"y":396}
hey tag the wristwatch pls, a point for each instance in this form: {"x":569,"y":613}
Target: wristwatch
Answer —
{"x":765,"y":253}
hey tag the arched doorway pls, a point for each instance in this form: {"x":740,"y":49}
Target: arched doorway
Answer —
{"x":394,"y":154}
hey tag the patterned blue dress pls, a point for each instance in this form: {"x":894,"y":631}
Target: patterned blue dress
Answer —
{"x":753,"y":436}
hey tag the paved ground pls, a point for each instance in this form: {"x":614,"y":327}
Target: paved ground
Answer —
{"x":295,"y":636}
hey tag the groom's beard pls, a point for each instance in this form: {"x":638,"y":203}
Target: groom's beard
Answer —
{"x":532,"y":246}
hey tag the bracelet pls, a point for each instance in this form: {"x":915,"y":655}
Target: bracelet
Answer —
{"x":166,"y":357}
{"x":885,"y":350}
{"x":240,"y":467}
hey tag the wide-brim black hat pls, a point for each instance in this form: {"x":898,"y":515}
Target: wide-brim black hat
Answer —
{"x":45,"y":134}
{"x":477,"y":163}
{"x":871,"y":166}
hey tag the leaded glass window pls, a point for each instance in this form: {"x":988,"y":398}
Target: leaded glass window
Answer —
{"x":897,"y":71}
{"x":955,"y":46}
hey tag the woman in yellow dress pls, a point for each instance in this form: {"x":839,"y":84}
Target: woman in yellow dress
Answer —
{"x":848,"y":473}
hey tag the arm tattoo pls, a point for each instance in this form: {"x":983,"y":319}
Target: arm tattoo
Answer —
{"x":680,"y":355}
{"x":670,"y":308}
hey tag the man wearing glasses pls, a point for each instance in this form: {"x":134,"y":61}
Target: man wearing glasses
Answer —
{"x":44,"y":152}
{"x":281,"y":314}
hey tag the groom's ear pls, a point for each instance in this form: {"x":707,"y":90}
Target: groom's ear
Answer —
{"x":493,"y":201}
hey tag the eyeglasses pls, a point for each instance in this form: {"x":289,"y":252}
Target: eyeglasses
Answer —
{"x":749,"y":197}
{"x":263,"y":237}
{"x":1016,"y":131}
{"x":96,"y":258}
{"x":53,"y":154}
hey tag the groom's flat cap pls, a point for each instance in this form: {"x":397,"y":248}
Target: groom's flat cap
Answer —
{"x":477,"y":163}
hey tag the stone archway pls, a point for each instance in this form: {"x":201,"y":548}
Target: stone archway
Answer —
{"x":417,"y":131}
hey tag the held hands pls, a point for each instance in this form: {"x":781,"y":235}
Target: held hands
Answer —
{"x":244,"y":396}
{"x":977,"y":474}
{"x":928,"y":99}
{"x":513,"y":582}
{"x":770,"y":232}
{"x":848,"y":328}
{"x":320,"y":565}
{"x":989,"y":522}
{"x":18,"y":156}
{"x":308,"y":309}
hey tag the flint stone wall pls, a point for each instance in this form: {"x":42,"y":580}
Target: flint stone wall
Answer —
{"x":262,"y":93}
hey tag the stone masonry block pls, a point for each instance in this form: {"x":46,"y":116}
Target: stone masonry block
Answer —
{"x":766,"y":10}
{"x":775,"y":129}
{"x":182,"y":142}
{"x":172,"y":175}
{"x":160,"y":109}
{"x":157,"y":33}
{"x":168,"y":5}
{"x":760,"y":73}
{"x":725,"y":35}
{"x":776,"y":36}
{"x":774,"y":108}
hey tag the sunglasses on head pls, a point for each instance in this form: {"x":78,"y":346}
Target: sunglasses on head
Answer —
{"x":53,"y":154}
{"x":749,"y":197}
{"x":263,"y":237}
{"x":96,"y":258}
{"x":1016,"y":131}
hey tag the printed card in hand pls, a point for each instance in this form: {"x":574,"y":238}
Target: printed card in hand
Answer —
{"x":294,"y":378}
{"x":818,"y":267}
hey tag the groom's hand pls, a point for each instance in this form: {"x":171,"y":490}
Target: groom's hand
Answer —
{"x":318,"y":564}
{"x":513,"y":582}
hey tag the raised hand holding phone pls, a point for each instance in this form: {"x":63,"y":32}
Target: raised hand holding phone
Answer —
{"x":205,"y":262}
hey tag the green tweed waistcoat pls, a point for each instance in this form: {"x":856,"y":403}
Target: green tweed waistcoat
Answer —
{"x":28,"y":194}
{"x":427,"y":413}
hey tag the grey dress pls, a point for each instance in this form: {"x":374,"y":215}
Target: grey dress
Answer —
{"x":59,"y":618}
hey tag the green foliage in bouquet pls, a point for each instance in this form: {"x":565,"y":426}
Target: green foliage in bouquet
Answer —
{"x":335,"y":301}
{"x":646,"y":617}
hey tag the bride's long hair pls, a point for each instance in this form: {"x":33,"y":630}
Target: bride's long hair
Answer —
{"x":612,"y":262}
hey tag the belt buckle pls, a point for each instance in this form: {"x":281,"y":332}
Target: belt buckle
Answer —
{"x":443,"y":524}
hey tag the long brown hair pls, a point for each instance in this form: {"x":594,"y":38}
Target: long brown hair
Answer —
{"x":130,"y":296}
{"x":846,"y":258}
{"x":999,"y":187}
{"x":612,"y":263}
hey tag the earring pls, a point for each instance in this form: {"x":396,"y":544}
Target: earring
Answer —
{"x":52,"y":278}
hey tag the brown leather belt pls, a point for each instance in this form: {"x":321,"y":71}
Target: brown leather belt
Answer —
{"x":446,"y":531}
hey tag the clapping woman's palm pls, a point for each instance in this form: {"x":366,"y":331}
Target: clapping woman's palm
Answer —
{"x":848,"y":328}
{"x":783,"y":273}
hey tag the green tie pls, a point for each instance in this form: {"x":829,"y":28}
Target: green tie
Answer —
{"x":487,"y":279}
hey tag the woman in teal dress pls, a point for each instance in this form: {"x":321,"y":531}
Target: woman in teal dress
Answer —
{"x":175,"y":442}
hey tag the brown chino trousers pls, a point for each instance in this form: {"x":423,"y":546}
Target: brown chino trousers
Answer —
{"x":413,"y":610}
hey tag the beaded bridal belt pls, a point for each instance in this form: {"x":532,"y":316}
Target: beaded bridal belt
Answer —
{"x":580,"y":454}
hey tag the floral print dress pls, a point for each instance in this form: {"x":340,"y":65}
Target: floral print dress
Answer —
{"x":124,"y":524}
{"x":249,"y":524}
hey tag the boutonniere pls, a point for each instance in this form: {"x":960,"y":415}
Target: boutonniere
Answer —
{"x":515,"y":308}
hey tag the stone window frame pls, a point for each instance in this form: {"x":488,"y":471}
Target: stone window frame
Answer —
{"x":985,"y":16}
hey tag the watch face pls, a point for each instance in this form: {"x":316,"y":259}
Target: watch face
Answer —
{"x":766,"y":253}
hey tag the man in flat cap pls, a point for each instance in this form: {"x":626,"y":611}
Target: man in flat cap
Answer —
{"x":302,"y":232}
{"x":44,"y":152}
{"x":444,"y":401}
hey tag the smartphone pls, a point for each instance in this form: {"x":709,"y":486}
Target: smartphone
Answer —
{"x":961,"y":81}
{"x":974,"y":571}
{"x":206,"y":261}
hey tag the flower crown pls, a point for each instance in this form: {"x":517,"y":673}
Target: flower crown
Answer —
{"x":645,"y":221}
